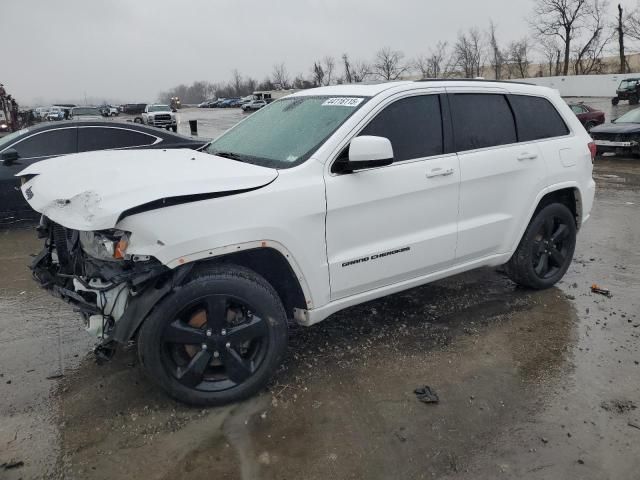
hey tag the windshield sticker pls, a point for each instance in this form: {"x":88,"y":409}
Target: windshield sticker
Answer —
{"x":342,"y":102}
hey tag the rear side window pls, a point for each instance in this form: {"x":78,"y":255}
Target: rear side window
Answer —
{"x":99,"y":138}
{"x":481,"y":120}
{"x":537,"y":118}
{"x":60,"y":141}
{"x":413,"y":125}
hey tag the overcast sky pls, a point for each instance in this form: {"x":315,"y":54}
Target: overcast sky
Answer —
{"x":129,"y":51}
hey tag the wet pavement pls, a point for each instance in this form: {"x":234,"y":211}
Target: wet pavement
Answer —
{"x":534,"y":385}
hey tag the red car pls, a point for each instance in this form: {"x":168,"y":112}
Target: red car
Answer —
{"x":588,"y":116}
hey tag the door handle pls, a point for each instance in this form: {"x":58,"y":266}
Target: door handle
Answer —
{"x":527,"y":156}
{"x":439,"y":172}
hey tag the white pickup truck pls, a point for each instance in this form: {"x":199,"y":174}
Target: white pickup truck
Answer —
{"x":162,"y":116}
{"x":319,"y":201}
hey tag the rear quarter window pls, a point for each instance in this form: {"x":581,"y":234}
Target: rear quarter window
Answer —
{"x":536,"y":118}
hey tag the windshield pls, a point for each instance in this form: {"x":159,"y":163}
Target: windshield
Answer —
{"x":630,"y":117}
{"x":159,"y":108}
{"x":85,"y":111}
{"x":286,"y":133}
{"x":627,"y":84}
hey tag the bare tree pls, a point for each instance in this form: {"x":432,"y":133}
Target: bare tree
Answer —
{"x":551,"y":52}
{"x":388,"y":64}
{"x":562,"y":19}
{"x":497,"y":56}
{"x":280,"y":76}
{"x":348,"y":77}
{"x":468,"y":54}
{"x":518,"y":54}
{"x":620,"y":31}
{"x":318,"y":74}
{"x":588,"y":56}
{"x":360,"y":71}
{"x":236,"y":81}
{"x":329,"y":65}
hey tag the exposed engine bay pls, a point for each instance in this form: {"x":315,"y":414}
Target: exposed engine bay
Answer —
{"x":112,"y":290}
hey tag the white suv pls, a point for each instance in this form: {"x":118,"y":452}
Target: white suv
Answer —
{"x":321,"y":200}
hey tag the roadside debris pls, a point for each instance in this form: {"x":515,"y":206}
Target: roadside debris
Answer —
{"x":426,"y":394}
{"x":602,"y":291}
{"x":12,"y":464}
{"x":618,"y":406}
{"x":55,"y":376}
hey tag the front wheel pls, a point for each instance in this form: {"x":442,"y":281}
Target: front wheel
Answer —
{"x":216,"y":339}
{"x":546,"y":249}
{"x":615,"y":101}
{"x":174,"y":128}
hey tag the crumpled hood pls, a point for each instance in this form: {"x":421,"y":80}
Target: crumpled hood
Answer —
{"x":89,"y":191}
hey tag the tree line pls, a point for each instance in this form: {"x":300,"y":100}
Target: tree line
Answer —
{"x":566,"y":37}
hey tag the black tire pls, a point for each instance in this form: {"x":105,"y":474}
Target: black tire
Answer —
{"x":546,"y":249}
{"x":202,"y":376}
{"x":174,"y":128}
{"x":633,"y":100}
{"x":615,"y":101}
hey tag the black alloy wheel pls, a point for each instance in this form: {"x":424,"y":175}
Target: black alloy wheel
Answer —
{"x":550,"y":249}
{"x":215,"y":343}
{"x":216,"y":339}
{"x":546,"y":248}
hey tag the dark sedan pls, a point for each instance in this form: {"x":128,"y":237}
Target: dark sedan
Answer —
{"x":621,"y":136}
{"x":589,"y":117}
{"x":24,"y":147}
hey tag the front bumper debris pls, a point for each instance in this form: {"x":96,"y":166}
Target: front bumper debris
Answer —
{"x":112,"y":297}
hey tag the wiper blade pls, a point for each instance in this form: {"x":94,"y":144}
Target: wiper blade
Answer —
{"x":230,"y":155}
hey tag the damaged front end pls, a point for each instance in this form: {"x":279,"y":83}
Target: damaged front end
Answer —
{"x":112,"y":290}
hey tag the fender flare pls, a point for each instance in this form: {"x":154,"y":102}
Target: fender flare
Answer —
{"x":251,"y":245}
{"x":546,"y":191}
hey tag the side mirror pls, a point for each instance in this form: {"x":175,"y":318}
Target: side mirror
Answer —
{"x":9,"y":156}
{"x":369,"y":151}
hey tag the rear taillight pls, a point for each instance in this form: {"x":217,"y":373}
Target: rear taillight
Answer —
{"x":593,"y":149}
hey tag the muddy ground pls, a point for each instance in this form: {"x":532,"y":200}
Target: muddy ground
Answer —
{"x":533,"y":385}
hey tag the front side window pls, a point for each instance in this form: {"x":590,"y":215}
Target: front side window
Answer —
{"x":536,"y":118}
{"x":61,"y":141}
{"x":481,"y":120}
{"x":286,"y":132}
{"x":413,"y":125}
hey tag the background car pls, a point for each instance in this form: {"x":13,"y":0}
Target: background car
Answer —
{"x":28,"y":146}
{"x":109,"y":111}
{"x":55,"y":114}
{"x":254,"y":105}
{"x":629,"y":89}
{"x":85,"y":113}
{"x":588,"y":116}
{"x":227,"y":102}
{"x":621,"y":136}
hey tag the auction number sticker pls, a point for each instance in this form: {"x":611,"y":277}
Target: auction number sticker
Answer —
{"x":343,"y":102}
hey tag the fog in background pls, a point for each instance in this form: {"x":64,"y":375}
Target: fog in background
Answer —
{"x":130,"y":51}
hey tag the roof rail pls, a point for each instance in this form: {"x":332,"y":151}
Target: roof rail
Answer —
{"x":482,"y":80}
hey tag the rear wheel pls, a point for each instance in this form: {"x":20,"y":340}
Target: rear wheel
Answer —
{"x":633,"y":100}
{"x":216,"y":339}
{"x":546,"y":249}
{"x":589,"y":125}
